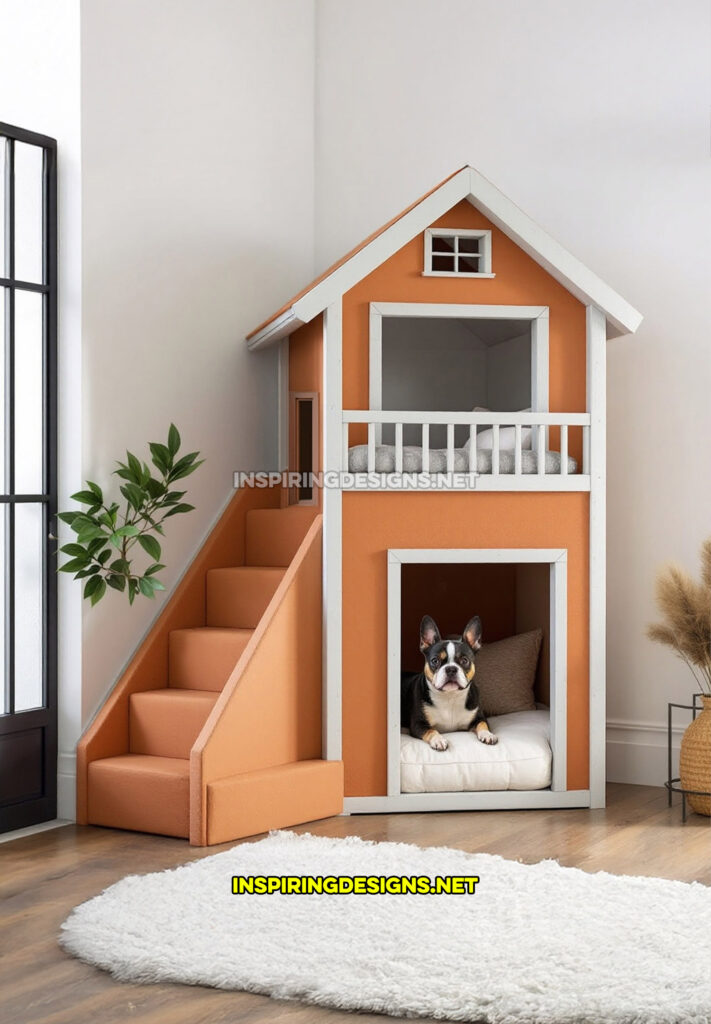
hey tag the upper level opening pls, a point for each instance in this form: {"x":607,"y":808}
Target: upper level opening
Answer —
{"x":457,"y":252}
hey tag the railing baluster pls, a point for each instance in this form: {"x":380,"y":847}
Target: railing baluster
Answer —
{"x":517,"y":450}
{"x":541,"y":449}
{"x":450,"y":447}
{"x":472,"y":448}
{"x":425,"y":447}
{"x":586,"y":450}
{"x":344,"y":453}
{"x":564,"y":449}
{"x":371,"y":447}
{"x":398,"y":447}
{"x":495,"y":451}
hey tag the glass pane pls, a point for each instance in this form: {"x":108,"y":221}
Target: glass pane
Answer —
{"x":443,"y":263}
{"x":469,"y":244}
{"x":29,"y":530}
{"x":28,"y":393}
{"x":3,"y":149}
{"x":3,"y":521}
{"x":3,"y":300}
{"x":469,"y":264}
{"x":28,"y":212}
{"x":442,"y":244}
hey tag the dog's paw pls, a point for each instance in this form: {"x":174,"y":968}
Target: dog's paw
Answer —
{"x":486,"y":736}
{"x":435,"y":740}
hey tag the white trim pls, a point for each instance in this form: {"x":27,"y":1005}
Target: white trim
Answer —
{"x":484,"y":256}
{"x":557,"y":559}
{"x":536,"y":316}
{"x":332,"y":534}
{"x":637,"y":750}
{"x":502,"y":212}
{"x":67,"y":786}
{"x":283,"y":405}
{"x":491,"y":800}
{"x":596,"y":403}
{"x":33,"y":830}
{"x":503,"y":419}
{"x":482,"y":482}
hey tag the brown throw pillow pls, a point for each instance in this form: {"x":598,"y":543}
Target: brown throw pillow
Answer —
{"x":506,"y":672}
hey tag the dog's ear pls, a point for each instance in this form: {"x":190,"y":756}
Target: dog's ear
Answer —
{"x":472,"y":633}
{"x":429,"y":634}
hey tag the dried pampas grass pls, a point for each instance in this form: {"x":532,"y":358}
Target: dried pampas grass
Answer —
{"x":685,"y":605}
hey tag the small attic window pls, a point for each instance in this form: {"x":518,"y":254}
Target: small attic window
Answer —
{"x":453,"y":252}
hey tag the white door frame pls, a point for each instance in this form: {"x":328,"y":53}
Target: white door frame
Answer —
{"x":557,"y":795}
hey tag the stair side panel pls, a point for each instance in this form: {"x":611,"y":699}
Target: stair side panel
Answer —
{"x":107,"y":735}
{"x":290,"y":794}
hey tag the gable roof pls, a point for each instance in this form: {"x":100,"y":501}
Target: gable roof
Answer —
{"x":466,"y":183}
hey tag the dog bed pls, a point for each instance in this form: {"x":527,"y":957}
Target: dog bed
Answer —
{"x":520,"y":760}
{"x":412,"y":460}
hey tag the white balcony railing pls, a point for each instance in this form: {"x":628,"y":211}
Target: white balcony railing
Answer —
{"x":515,"y":460}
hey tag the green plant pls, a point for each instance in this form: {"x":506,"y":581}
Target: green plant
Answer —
{"x":108,"y":534}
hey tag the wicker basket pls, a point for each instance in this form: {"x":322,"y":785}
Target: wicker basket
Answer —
{"x":695,"y":759}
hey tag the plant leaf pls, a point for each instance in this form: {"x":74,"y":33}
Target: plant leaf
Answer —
{"x":74,"y":549}
{"x":99,"y":592}
{"x":146,"y":586}
{"x":97,"y":490}
{"x":150,"y":545}
{"x":178,"y":509}
{"x":173,"y":439}
{"x":129,"y":530}
{"x":161,"y":457}
{"x":85,"y":497}
{"x":73,"y":565}
{"x":92,"y":586}
{"x":68,"y":517}
{"x":116,"y":582}
{"x":153,"y":569}
{"x":90,"y":533}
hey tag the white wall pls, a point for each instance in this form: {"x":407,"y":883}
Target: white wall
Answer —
{"x":594,"y":118}
{"x":39,"y":90}
{"x":197,"y":159}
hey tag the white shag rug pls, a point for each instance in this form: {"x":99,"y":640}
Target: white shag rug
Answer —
{"x":536,"y":944}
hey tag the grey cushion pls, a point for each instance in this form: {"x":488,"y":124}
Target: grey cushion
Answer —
{"x":412,"y":460}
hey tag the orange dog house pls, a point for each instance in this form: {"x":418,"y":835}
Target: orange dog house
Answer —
{"x":447,"y":380}
{"x":459,"y":343}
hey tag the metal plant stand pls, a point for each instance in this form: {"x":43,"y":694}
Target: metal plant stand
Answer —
{"x":670,"y":783}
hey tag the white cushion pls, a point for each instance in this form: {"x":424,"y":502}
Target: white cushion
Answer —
{"x":507,"y":436}
{"x":520,"y":760}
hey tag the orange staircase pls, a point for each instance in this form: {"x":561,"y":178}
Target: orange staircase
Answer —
{"x":214,"y":731}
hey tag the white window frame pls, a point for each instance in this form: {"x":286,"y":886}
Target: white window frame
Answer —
{"x":557,"y":795}
{"x":537,"y":316}
{"x":457,"y":233}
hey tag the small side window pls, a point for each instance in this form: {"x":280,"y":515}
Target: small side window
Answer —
{"x":450,"y":252}
{"x":304,"y":446}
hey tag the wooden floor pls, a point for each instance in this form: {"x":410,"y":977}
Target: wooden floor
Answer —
{"x":43,"y":876}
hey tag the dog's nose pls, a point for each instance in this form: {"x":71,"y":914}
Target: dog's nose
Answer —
{"x":450,"y":670}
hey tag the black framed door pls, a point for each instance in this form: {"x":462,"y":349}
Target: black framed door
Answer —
{"x":28,"y":477}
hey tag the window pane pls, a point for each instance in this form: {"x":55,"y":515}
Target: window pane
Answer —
{"x":3,"y":569}
{"x":3,"y":300}
{"x":29,"y":530}
{"x":445,"y":263}
{"x":469,"y":265}
{"x":3,"y":150}
{"x":442,"y":244}
{"x":469,"y":244}
{"x":28,"y":212}
{"x":28,"y":393}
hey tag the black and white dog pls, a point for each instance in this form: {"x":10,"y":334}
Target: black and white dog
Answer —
{"x":443,"y":697}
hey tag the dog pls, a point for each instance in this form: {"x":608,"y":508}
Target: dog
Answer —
{"x":444,"y":697}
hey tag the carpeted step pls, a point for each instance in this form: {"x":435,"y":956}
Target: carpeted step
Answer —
{"x":203,"y":658}
{"x":237,"y":598}
{"x":166,"y":723}
{"x":141,"y":793}
{"x":273,"y":535}
{"x":278,"y":797}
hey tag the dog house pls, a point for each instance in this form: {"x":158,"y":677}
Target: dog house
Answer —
{"x":456,"y":361}
{"x":445,"y":383}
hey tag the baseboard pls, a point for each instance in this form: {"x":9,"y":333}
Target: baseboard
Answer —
{"x":637,"y":751}
{"x":67,"y":787}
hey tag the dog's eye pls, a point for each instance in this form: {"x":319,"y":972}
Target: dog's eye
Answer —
{"x":464,"y":662}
